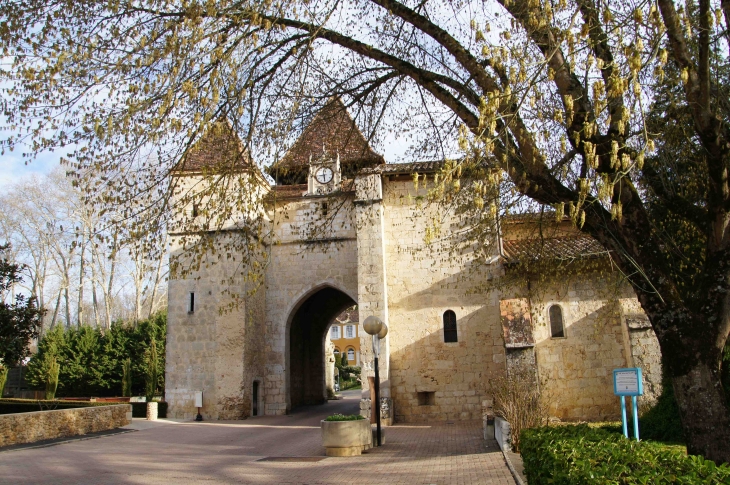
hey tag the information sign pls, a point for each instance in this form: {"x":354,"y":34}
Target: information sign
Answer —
{"x":627,"y":382}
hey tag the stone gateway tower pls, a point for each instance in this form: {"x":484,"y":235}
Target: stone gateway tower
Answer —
{"x":341,"y":227}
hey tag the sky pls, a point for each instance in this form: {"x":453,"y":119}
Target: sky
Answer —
{"x":14,"y":167}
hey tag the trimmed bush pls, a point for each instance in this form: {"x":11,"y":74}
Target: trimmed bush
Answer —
{"x":572,"y":455}
{"x":139,"y":409}
{"x":13,"y":406}
{"x":344,"y":417}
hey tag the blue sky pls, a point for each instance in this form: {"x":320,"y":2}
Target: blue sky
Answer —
{"x":15,"y":167}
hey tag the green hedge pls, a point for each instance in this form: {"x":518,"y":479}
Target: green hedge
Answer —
{"x":564,"y":455}
{"x":139,"y":409}
{"x":13,"y":406}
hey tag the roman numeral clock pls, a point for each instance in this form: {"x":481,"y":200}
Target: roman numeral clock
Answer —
{"x":324,"y":175}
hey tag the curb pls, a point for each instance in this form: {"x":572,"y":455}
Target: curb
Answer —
{"x":515,"y":475}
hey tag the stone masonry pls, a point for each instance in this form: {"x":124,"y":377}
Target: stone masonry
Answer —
{"x":363,"y":243}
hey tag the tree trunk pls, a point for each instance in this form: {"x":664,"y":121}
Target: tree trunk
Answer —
{"x":81,"y":281}
{"x":704,"y":412}
{"x":94,"y":299}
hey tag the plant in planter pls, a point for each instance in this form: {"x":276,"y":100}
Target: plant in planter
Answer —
{"x":346,"y":435}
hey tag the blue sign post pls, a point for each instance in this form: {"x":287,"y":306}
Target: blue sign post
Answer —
{"x":628,"y":382}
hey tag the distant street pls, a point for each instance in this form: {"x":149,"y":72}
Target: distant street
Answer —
{"x":269,"y":449}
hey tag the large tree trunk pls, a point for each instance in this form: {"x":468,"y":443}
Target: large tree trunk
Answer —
{"x":704,"y":411}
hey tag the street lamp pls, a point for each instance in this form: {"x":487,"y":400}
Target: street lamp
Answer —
{"x":375,"y":327}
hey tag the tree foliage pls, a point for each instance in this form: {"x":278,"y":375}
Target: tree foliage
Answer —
{"x":92,"y":362}
{"x":20,"y":319}
{"x":557,"y":102}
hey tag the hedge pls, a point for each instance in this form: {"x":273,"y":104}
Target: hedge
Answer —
{"x":12,"y":406}
{"x":139,"y":409}
{"x":572,"y":455}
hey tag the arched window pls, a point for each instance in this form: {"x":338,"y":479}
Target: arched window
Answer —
{"x":450,"y":334}
{"x":351,"y":354}
{"x":557,"y":328}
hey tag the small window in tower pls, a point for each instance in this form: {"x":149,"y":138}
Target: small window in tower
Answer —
{"x":191,"y":306}
{"x":450,"y":334}
{"x":557,"y":328}
{"x":196,"y":212}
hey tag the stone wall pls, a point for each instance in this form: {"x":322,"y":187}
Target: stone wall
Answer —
{"x":315,"y":250}
{"x":576,"y":370}
{"x":432,"y":379}
{"x":216,"y":347}
{"x":44,"y":425}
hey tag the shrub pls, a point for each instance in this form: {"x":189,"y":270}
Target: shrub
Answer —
{"x":127,"y":378}
{"x":3,"y":378}
{"x":152,"y":371}
{"x":344,"y":417}
{"x":517,"y":399}
{"x":12,"y":406}
{"x":52,"y":378}
{"x":92,"y":360}
{"x":572,"y":455}
{"x":662,"y":421}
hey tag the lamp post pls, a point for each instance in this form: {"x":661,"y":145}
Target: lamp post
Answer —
{"x":375,"y":327}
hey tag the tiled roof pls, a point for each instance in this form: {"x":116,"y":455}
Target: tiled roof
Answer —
{"x":334,"y":131}
{"x":219,"y":148}
{"x":562,"y":248}
{"x":351,"y":315}
{"x":290,"y":190}
{"x":300,"y":190}
{"x":412,"y":167}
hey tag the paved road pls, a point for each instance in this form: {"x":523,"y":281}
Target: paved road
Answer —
{"x":267,"y":449}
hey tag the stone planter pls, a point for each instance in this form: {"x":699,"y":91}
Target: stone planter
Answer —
{"x":346,"y":438}
{"x":502,"y":433}
{"x":151,"y":411}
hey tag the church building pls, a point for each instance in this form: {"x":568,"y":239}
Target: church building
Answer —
{"x":339,"y":227}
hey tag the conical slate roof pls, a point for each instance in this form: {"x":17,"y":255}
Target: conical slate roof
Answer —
{"x":218,"y":149}
{"x":332,"y":130}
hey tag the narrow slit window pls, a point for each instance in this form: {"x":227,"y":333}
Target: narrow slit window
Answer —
{"x":191,"y":307}
{"x":450,"y":334}
{"x":557,"y":328}
{"x":195,"y":210}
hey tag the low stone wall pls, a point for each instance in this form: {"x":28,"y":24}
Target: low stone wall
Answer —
{"x":44,"y":425}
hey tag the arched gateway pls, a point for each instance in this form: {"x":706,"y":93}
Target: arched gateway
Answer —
{"x":307,"y":329}
{"x":344,"y":227}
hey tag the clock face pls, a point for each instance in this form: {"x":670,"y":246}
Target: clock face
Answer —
{"x":324,"y":175}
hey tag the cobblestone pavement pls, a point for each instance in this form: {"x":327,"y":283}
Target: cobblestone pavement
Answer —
{"x":267,"y":449}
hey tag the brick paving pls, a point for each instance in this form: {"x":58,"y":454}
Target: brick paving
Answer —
{"x":210,"y":452}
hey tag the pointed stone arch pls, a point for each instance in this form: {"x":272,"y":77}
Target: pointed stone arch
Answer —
{"x":309,"y":320}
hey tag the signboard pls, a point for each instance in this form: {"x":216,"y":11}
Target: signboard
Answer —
{"x":628,"y":382}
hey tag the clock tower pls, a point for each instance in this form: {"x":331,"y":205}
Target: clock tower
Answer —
{"x":324,"y":174}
